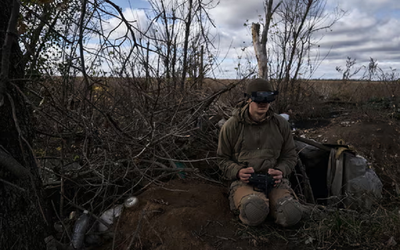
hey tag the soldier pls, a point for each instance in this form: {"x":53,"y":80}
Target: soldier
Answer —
{"x":256,"y":140}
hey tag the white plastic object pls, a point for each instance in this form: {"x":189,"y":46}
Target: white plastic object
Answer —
{"x":109,"y":216}
{"x":131,"y":202}
{"x":284,"y":115}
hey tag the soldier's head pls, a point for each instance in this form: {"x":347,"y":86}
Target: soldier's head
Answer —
{"x":260,"y":94}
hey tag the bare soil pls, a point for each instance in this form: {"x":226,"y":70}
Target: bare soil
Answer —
{"x":185,"y":214}
{"x":193,"y":213}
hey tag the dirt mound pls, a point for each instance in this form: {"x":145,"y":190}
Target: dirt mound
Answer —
{"x":182,"y":214}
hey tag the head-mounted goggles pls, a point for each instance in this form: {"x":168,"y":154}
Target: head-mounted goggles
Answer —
{"x":263,"y":96}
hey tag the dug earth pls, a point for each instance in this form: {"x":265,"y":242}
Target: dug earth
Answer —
{"x":194,"y":213}
{"x":182,"y":214}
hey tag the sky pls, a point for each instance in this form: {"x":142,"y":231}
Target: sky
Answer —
{"x":369,"y":29}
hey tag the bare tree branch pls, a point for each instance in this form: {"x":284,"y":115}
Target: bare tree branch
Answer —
{"x":10,"y":38}
{"x":12,"y":165}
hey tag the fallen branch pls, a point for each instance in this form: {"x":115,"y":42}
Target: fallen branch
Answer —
{"x":12,"y":165}
{"x":13,"y":185}
{"x":195,"y":170}
{"x":307,"y":185}
{"x":186,"y":161}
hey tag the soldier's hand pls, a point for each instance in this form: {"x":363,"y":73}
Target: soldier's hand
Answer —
{"x":245,"y":173}
{"x":276,"y":174}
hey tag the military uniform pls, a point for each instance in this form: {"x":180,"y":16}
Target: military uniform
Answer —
{"x":261,"y":145}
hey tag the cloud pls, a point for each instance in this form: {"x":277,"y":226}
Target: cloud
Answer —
{"x":232,"y":14}
{"x":369,"y":6}
{"x":369,"y":29}
{"x":117,"y":28}
{"x":362,"y":36}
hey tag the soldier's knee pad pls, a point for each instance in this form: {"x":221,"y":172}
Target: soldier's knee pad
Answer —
{"x":253,"y":210}
{"x":288,"y":212}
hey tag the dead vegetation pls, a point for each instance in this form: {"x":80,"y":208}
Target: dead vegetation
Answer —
{"x":97,"y":146}
{"x":102,"y":139}
{"x":124,"y":136}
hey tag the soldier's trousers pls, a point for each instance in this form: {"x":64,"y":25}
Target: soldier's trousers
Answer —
{"x":254,"y":207}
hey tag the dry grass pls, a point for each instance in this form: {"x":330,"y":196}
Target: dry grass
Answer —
{"x":120,"y":130}
{"x":331,"y":229}
{"x":354,"y":91}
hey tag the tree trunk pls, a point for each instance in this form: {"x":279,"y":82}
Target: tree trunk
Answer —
{"x":22,"y":214}
{"x":260,"y":50}
{"x":188,"y":23}
{"x":260,"y":42}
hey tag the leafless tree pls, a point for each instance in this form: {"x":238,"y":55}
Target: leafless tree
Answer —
{"x":289,"y":35}
{"x":182,"y":31}
{"x":108,"y":109}
{"x":24,"y":220}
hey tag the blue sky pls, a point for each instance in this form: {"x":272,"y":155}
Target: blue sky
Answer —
{"x":134,"y":3}
{"x":369,"y":29}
